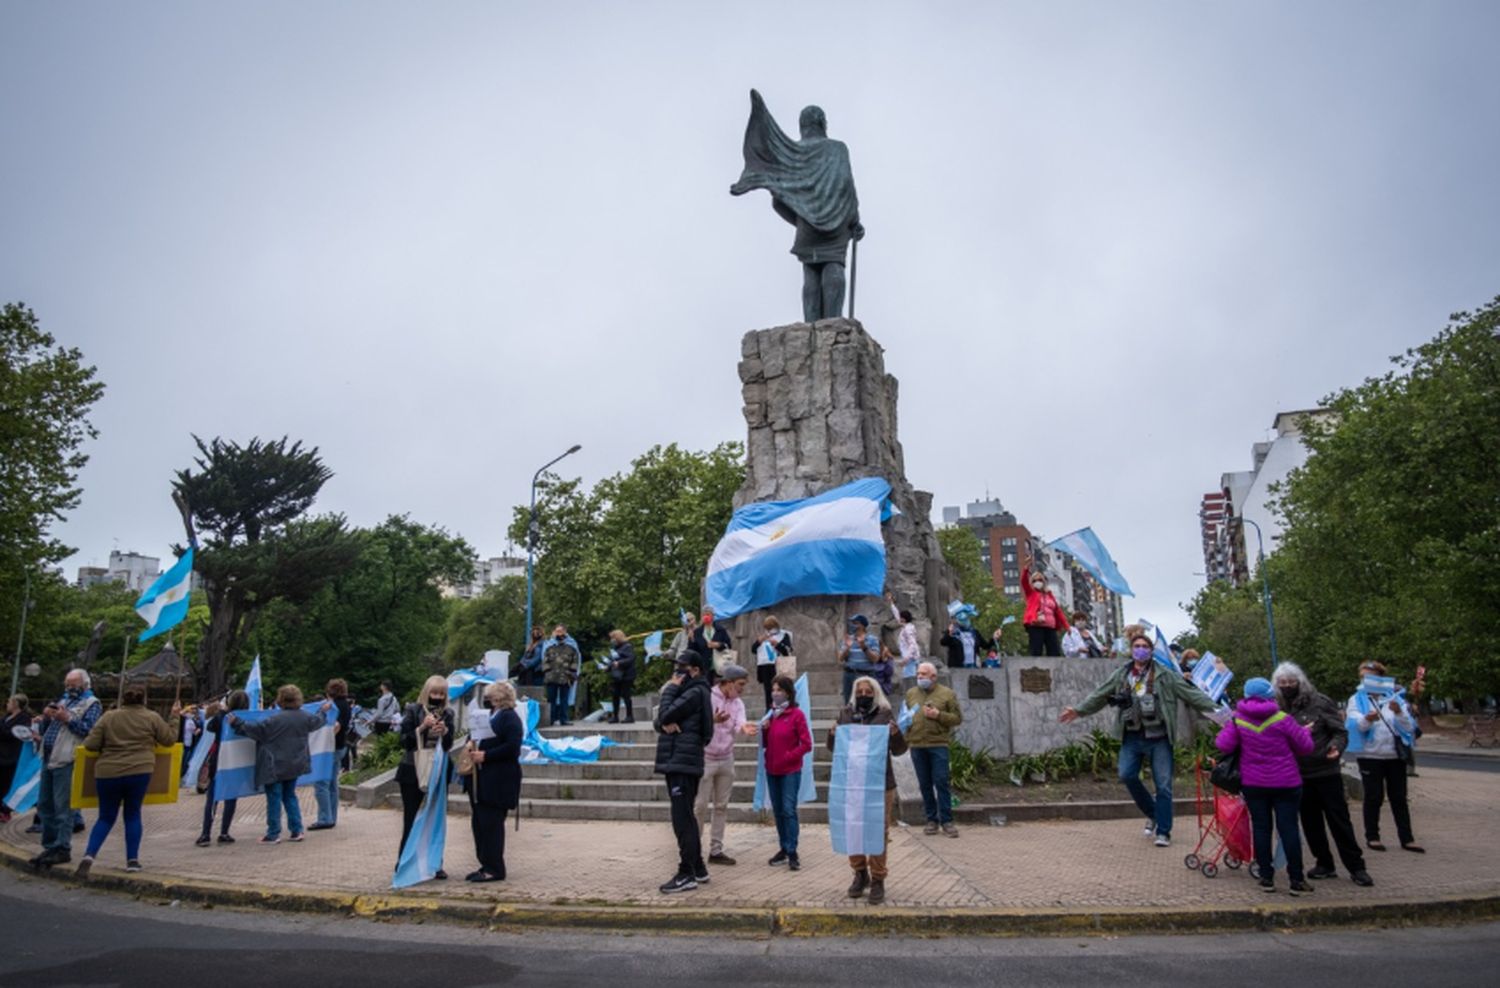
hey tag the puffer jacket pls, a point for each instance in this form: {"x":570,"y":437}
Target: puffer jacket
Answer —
{"x":690,"y":707}
{"x":1269,"y":742}
{"x":1325,"y":719}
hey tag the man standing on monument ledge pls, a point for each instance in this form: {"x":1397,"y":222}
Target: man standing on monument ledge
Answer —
{"x":812,"y":188}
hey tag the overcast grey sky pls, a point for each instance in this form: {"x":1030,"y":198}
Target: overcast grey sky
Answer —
{"x":443,"y":242}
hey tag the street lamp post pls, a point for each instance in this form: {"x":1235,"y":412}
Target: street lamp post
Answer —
{"x":532,"y":531}
{"x":1260,"y":562}
{"x":15,"y":673}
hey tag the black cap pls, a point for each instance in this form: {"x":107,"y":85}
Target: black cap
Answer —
{"x":690,"y":658}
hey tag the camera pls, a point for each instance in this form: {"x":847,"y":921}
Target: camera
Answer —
{"x":1120,"y":698}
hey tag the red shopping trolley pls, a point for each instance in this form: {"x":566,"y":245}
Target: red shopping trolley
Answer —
{"x":1223,"y":826}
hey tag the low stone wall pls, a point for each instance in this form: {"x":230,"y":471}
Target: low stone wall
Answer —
{"x":1013,"y":710}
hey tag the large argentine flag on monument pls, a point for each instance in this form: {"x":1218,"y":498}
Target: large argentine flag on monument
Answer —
{"x":165,"y":602}
{"x":856,"y":789}
{"x":775,"y":550}
{"x":1084,"y":546}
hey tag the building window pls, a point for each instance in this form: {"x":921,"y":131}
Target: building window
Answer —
{"x":1013,"y":588}
{"x":1009,"y":542}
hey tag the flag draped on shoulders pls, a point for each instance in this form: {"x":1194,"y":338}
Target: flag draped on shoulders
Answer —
{"x":236,"y":775}
{"x":807,"y":789}
{"x":422,"y":857}
{"x":775,"y":550}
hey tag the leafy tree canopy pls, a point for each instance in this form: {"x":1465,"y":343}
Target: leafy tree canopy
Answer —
{"x":961,"y":550}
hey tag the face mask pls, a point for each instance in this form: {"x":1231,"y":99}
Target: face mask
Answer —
{"x":864,"y":704}
{"x":560,"y":638}
{"x":778,"y":700}
{"x":1140,"y":653}
{"x":72,"y":692}
{"x":708,"y":619}
{"x":1290,"y":692}
{"x":926,"y":684}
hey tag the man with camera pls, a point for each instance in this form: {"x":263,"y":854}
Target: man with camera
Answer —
{"x":685,"y":725}
{"x":64,"y":723}
{"x":1144,"y":694}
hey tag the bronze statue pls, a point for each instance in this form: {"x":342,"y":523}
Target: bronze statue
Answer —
{"x":812,"y":188}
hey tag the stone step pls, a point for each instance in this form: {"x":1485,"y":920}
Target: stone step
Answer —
{"x":622,"y":770}
{"x":641,"y":731}
{"x":652,"y":811}
{"x":594,"y":791}
{"x":643,"y":750}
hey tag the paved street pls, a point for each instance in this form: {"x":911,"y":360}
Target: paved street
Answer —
{"x":1045,"y":865}
{"x":58,"y":935}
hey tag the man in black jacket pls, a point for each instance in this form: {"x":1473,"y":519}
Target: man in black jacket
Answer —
{"x":685,"y":725}
{"x":1322,"y":778}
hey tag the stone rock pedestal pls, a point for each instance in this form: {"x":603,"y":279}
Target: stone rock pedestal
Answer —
{"x":821,"y":411}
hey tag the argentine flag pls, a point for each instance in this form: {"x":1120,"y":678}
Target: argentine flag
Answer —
{"x":165,"y":602}
{"x":252,"y":684}
{"x":776,"y":550}
{"x":22,"y":795}
{"x":1163,"y":653}
{"x":856,"y":789}
{"x":539,"y":750}
{"x":236,"y":775}
{"x":1084,"y":546}
{"x":652,"y":645}
{"x":422,"y":857}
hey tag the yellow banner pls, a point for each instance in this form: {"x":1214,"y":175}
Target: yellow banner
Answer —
{"x":165,"y":777}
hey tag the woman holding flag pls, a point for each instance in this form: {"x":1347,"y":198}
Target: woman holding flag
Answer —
{"x":238,"y":700}
{"x":1381,"y":731}
{"x":425,"y":725}
{"x":786,"y":738}
{"x":869,"y":705}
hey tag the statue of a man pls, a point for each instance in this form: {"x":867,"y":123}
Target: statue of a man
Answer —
{"x":812,"y":188}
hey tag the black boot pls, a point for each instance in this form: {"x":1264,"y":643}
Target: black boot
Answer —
{"x":860,"y":883}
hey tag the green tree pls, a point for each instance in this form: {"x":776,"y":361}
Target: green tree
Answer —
{"x":382,"y":618}
{"x":961,"y":550}
{"x":46,"y":393}
{"x":494,"y":619}
{"x":1392,"y":541}
{"x":1231,"y":623}
{"x":250,"y":503}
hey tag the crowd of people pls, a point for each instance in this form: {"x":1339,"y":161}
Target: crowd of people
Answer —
{"x":1288,"y":738}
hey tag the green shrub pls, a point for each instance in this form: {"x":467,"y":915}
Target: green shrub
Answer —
{"x":968,"y":770}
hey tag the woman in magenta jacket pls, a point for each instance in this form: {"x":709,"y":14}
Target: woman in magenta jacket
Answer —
{"x":1269,"y":742}
{"x":786,"y":738}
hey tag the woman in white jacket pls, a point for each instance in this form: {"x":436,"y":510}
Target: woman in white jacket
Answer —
{"x":1377,"y":720}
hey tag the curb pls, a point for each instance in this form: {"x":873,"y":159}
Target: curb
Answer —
{"x":785,"y":921}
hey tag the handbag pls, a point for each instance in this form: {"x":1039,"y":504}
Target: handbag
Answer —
{"x":1226,"y":774}
{"x":786,"y":665}
{"x":463,"y":761}
{"x":422,"y":761}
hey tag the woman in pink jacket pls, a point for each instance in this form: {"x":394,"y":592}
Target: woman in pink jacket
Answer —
{"x":787,"y":738}
{"x":1269,"y":742}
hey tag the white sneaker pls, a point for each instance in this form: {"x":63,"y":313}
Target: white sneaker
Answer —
{"x":1149,"y":832}
{"x":1163,"y":840}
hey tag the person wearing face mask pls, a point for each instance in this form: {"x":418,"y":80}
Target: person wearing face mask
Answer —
{"x":621,"y":677}
{"x":1079,"y":642}
{"x":859,"y":653}
{"x":771,"y":644}
{"x":965,"y":645}
{"x":712,"y":804}
{"x":425,"y":724}
{"x":1322,"y":780}
{"x":869,"y":705}
{"x":1044,"y":616}
{"x":561,"y":661}
{"x":684,"y":726}
{"x":937,"y":714}
{"x":785,"y":737}
{"x":64,"y":724}
{"x":709,"y":639}
{"x":1145,"y":695}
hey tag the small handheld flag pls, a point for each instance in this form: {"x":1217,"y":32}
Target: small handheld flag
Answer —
{"x":165,"y":602}
{"x":252,"y":684}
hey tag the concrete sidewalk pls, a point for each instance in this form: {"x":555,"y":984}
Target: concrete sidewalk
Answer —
{"x":1086,"y":867}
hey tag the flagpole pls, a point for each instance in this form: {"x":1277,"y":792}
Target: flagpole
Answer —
{"x":120,"y":696}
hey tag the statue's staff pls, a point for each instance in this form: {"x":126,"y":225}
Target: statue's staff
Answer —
{"x":853,"y":273}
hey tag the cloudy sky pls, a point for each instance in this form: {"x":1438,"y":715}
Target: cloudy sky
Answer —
{"x":443,"y":242}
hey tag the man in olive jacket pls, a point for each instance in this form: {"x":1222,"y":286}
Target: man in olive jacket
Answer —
{"x":1322,"y":778}
{"x":1145,"y":694}
{"x":932,"y":725}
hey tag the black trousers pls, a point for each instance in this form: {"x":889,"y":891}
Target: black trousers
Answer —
{"x":1323,"y":800}
{"x":411,"y":801}
{"x":1383,"y":776}
{"x":488,"y":824}
{"x":1279,"y":806}
{"x":208,"y":810}
{"x":766,"y":674}
{"x":1042,"y":641}
{"x":7,"y":776}
{"x":683,"y":790}
{"x":620,"y":691}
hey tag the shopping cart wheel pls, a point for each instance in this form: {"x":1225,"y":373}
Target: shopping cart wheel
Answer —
{"x":1255,"y":871}
{"x":1231,"y":861}
{"x":1192,"y":861}
{"x":1210,"y":870}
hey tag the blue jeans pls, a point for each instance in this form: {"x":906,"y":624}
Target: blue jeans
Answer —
{"x":557,"y":696}
{"x":54,"y":804}
{"x":327,"y":792}
{"x":279,"y":794}
{"x":932,"y":778}
{"x":783,"y":792}
{"x":1134,"y":750}
{"x":129,"y":790}
{"x":1265,"y":804}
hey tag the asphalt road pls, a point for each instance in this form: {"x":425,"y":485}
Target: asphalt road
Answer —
{"x":1464,"y":763}
{"x":57,"y":935}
